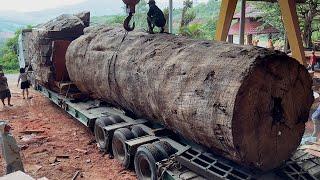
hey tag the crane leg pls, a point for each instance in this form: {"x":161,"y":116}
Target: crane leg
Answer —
{"x":228,"y":8}
{"x":290,"y":19}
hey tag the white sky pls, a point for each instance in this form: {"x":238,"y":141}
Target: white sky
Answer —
{"x":35,"y":5}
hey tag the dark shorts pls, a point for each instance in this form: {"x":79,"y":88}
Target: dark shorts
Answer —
{"x":5,"y":94}
{"x":25,"y":85}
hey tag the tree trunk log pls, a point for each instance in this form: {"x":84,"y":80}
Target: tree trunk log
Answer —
{"x":247,"y":103}
{"x":39,"y":43}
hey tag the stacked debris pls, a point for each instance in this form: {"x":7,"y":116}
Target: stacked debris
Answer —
{"x":41,"y":41}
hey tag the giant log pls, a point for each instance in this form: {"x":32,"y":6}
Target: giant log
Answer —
{"x":39,"y":43}
{"x":246,"y":103}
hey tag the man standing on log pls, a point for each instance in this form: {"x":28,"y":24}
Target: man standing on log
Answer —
{"x":155,"y":17}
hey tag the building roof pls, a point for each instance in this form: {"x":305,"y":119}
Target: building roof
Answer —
{"x":253,"y":27}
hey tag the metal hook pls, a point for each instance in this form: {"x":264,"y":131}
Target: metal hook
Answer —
{"x":126,"y":23}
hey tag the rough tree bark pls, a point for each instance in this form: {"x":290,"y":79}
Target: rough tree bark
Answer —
{"x":246,"y":103}
{"x":39,"y":42}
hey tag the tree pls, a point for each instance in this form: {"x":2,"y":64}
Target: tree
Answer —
{"x":142,"y":7}
{"x":271,"y":14}
{"x":187,"y":16}
{"x":9,"y":55}
{"x":307,"y":12}
{"x":117,"y":19}
{"x":141,"y":14}
{"x":209,"y":28}
{"x":166,"y":15}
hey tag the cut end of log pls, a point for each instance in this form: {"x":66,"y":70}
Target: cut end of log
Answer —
{"x":270,"y":112}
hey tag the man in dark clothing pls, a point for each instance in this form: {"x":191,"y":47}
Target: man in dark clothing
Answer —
{"x":155,"y":17}
{"x":4,"y":89}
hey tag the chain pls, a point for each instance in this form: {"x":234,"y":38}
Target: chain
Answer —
{"x":167,"y":164}
{"x":112,"y":62}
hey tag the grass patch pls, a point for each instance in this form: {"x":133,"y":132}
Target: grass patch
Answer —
{"x":14,"y":71}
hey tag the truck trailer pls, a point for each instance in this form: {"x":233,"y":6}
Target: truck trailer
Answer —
{"x":134,"y":133}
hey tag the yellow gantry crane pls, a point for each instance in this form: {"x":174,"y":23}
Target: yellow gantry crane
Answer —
{"x":228,"y":7}
{"x":289,"y":16}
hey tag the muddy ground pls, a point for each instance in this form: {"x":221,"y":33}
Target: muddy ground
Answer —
{"x":60,"y":135}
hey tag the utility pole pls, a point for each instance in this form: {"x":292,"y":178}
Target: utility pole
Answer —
{"x":242,"y":22}
{"x":170,"y":16}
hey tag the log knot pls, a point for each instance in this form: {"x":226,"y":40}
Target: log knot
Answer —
{"x":221,"y":108}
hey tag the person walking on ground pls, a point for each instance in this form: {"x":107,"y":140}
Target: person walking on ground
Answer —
{"x":313,"y":61}
{"x":25,"y":84}
{"x":4,"y":89}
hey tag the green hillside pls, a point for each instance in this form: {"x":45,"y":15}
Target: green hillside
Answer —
{"x":202,"y":25}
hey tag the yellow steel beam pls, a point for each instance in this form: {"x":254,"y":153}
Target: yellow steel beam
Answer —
{"x":290,"y":19}
{"x":228,"y":8}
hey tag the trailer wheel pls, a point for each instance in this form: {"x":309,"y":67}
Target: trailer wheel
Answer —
{"x":115,"y":119}
{"x":119,"y":149}
{"x":101,"y":136}
{"x":145,"y":161}
{"x":165,"y":148}
{"x":137,"y":131}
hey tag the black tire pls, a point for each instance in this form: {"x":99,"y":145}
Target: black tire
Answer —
{"x":145,"y":161}
{"x":165,"y":148}
{"x":119,"y":149}
{"x":101,"y":136}
{"x":138,"y":131}
{"x":115,"y":119}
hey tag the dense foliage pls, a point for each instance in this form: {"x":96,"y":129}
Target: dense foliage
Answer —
{"x":197,"y":21}
{"x":309,"y":18}
{"x":8,"y":54}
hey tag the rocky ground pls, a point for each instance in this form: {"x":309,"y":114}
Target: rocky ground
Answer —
{"x":61,"y":147}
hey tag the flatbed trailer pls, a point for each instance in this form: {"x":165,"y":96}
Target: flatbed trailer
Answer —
{"x":149,"y":148}
{"x":183,"y":160}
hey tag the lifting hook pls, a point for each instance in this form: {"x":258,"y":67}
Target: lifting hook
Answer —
{"x":131,"y":9}
{"x":126,"y":23}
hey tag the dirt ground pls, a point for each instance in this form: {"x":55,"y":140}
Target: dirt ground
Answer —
{"x":60,"y":135}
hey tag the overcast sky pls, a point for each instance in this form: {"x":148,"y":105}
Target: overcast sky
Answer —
{"x":37,"y":5}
